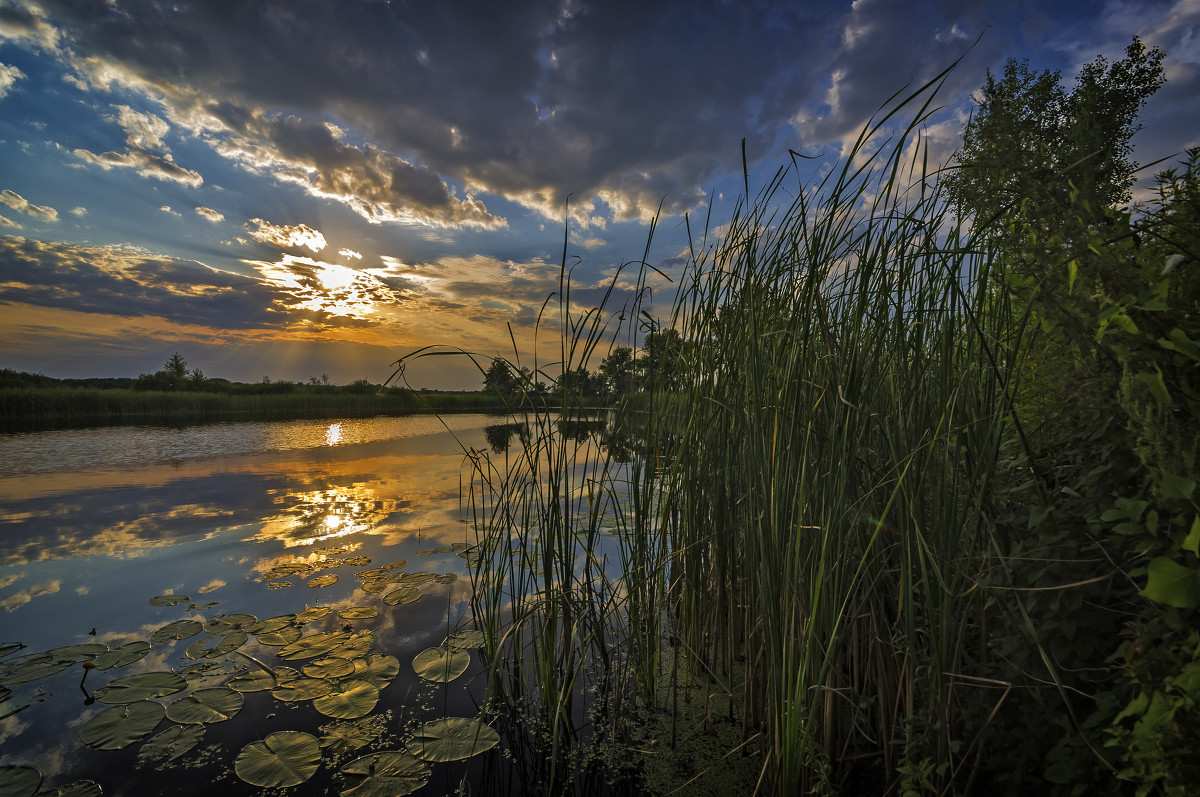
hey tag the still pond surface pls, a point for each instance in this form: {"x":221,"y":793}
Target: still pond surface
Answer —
{"x":290,"y":574}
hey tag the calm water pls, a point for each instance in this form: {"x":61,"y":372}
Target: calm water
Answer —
{"x":94,"y":523}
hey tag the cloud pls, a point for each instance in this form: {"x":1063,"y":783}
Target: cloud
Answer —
{"x":287,"y":236}
{"x":211,"y":586}
{"x":19,"y":599}
{"x":80,"y":211}
{"x":18,"y":202}
{"x":210,"y":214}
{"x":147,"y":164}
{"x":167,"y":209}
{"x":350,"y":253}
{"x":9,"y":75}
{"x":143,"y":131}
{"x":7,"y":222}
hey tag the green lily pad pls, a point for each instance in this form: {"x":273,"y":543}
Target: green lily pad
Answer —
{"x":446,"y":578}
{"x":303,"y":689}
{"x":380,"y":670}
{"x":32,"y":667}
{"x":280,"y":637}
{"x":278,"y":584}
{"x":467,"y":639}
{"x":261,"y":680}
{"x":143,"y":686}
{"x":323,"y":581}
{"x":171,"y":743}
{"x":313,"y":645}
{"x":271,"y":624}
{"x":196,"y":607}
{"x":19,"y":781}
{"x":228,"y":622}
{"x":329,"y":668}
{"x":452,"y":739}
{"x":357,"y":645}
{"x":402,"y":595}
{"x":10,"y":707}
{"x":385,"y":774}
{"x":216,"y":645}
{"x":122,"y":656}
{"x":291,"y":569}
{"x":180,"y":629}
{"x":374,"y":585}
{"x":121,"y":726}
{"x":356,"y":561}
{"x":414,"y":579}
{"x":78,"y":788}
{"x":370,"y":575}
{"x":168,"y":600}
{"x":399,"y":564}
{"x":441,"y":665}
{"x":353,"y":699}
{"x":78,"y":653}
{"x":358,"y":613}
{"x":285,"y":758}
{"x":205,"y":706}
{"x":315,"y":613}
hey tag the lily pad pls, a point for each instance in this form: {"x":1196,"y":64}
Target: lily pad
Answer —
{"x":414,"y":579}
{"x":353,"y":699}
{"x":171,"y":743}
{"x":441,"y":665}
{"x":313,"y":645}
{"x":228,"y":622}
{"x":452,"y":739}
{"x":78,"y":788}
{"x":329,"y":668}
{"x":358,"y":613}
{"x":122,"y":656}
{"x":285,"y":758}
{"x":399,"y":564}
{"x":280,"y":637}
{"x":467,"y":639}
{"x":180,"y":629}
{"x":303,"y":689}
{"x":315,"y":613}
{"x":205,"y":706}
{"x":357,"y":561}
{"x":380,"y":670}
{"x":168,"y":600}
{"x":446,"y":578}
{"x":19,"y":781}
{"x":291,"y":569}
{"x":261,"y":680}
{"x":78,"y":653}
{"x":8,"y":708}
{"x":271,"y":624}
{"x":357,"y":645}
{"x":143,"y":686}
{"x":374,"y":585}
{"x":323,"y":581}
{"x":214,"y":645}
{"x":402,"y":595}
{"x":32,"y":667}
{"x":121,"y":726}
{"x":386,"y":774}
{"x":278,"y":584}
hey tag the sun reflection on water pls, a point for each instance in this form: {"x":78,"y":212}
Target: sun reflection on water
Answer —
{"x":320,"y":515}
{"x":333,"y":435}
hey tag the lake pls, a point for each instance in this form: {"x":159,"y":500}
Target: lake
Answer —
{"x":350,"y":532}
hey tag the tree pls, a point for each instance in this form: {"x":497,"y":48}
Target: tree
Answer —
{"x":662,"y":363}
{"x":1034,"y":155}
{"x":619,"y":370}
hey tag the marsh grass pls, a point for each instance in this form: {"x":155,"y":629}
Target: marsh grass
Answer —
{"x":806,"y":529}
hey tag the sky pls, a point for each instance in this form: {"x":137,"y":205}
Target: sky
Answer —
{"x":304,"y":188}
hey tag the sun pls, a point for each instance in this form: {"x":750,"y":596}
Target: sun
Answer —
{"x":327,"y":288}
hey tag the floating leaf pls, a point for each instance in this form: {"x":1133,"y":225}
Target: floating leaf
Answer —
{"x":261,"y":680}
{"x":121,"y":726}
{"x":292,"y":569}
{"x":195,"y":607}
{"x":180,"y":629}
{"x":353,"y":699}
{"x":168,"y":600}
{"x":206,"y":706}
{"x":399,"y":564}
{"x":379,"y":670}
{"x":329,"y":668}
{"x":143,"y":686}
{"x":385,"y":774}
{"x":358,"y":613}
{"x":283,"y":636}
{"x":467,"y":639}
{"x":452,"y":739}
{"x":357,"y":561}
{"x":446,"y":578}
{"x":278,"y":584}
{"x":271,"y":624}
{"x":122,"y":656}
{"x":284,"y":758}
{"x":10,"y":647}
{"x":227,"y":622}
{"x":323,"y":581}
{"x":357,"y":645}
{"x":216,"y":645}
{"x":207,"y":669}
{"x":441,"y":665}
{"x":171,"y":743}
{"x":315,"y":613}
{"x":8,"y":708}
{"x":19,"y":781}
{"x":374,"y":585}
{"x":402,"y":595}
{"x":414,"y":579}
{"x":78,"y":653}
{"x":78,"y":788}
{"x":303,"y":689}
{"x":32,"y":667}
{"x":313,"y":645}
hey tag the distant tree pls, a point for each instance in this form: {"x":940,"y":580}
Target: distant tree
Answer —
{"x":176,"y":371}
{"x":500,"y":378}
{"x":619,"y":370}
{"x":662,"y":364}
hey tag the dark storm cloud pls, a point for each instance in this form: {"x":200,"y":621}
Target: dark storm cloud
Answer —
{"x":132,"y":284}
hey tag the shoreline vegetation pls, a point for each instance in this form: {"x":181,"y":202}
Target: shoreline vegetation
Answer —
{"x":913,"y":509}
